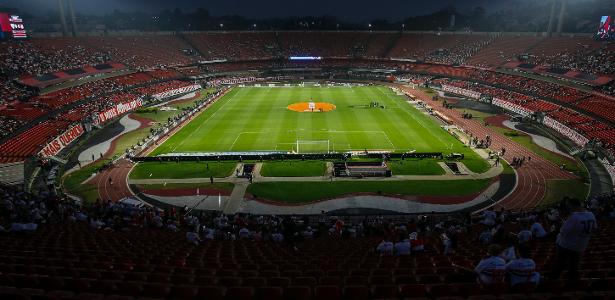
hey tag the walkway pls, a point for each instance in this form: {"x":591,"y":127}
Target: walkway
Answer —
{"x":129,"y":124}
{"x":531,"y":178}
{"x":542,"y":141}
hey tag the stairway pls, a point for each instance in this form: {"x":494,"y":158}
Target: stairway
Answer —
{"x":392,"y":44}
{"x":186,"y":40}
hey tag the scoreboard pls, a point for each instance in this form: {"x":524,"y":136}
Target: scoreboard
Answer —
{"x":606,"y":31}
{"x":12,"y":26}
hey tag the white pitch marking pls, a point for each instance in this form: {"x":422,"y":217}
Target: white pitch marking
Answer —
{"x":199,"y":127}
{"x":244,"y":132}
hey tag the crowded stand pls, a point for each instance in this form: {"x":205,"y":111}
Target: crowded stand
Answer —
{"x":528,"y":104}
{"x":586,"y":56}
{"x":30,"y":141}
{"x":11,"y":91}
{"x":600,"y":106}
{"x":145,"y":51}
{"x":41,"y":56}
{"x":341,"y":49}
{"x":52,"y":247}
{"x":8,"y":125}
{"x":502,"y":50}
{"x":236,"y":46}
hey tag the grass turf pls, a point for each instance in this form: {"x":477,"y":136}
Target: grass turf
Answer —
{"x":558,"y":189}
{"x":305,"y":192}
{"x":415,"y":167}
{"x":73,"y":183}
{"x":252,"y":118}
{"x":182,"y":170}
{"x":293,"y":168}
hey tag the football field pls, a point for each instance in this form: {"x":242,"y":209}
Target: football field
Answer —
{"x":258,"y":119}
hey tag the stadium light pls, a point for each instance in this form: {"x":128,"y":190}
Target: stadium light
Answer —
{"x":221,"y":25}
{"x":369,"y":25}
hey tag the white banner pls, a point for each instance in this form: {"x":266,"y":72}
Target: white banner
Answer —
{"x":511,"y":107}
{"x":63,"y":140}
{"x":566,"y":131}
{"x":460,"y":91}
{"x":181,"y":90}
{"x":118,"y":110}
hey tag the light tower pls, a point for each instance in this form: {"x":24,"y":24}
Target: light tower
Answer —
{"x":560,"y":20}
{"x":62,"y":17}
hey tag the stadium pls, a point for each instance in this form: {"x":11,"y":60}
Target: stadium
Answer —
{"x":398,"y":151}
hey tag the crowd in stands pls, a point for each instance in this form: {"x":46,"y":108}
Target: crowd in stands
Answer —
{"x":44,"y":55}
{"x":11,"y":91}
{"x":8,"y":125}
{"x":590,"y":127}
{"x":585,"y":59}
{"x":491,"y":252}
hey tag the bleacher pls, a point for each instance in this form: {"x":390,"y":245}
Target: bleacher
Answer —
{"x":78,"y":262}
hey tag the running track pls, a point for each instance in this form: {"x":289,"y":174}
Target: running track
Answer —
{"x":531,"y":177}
{"x":118,"y":174}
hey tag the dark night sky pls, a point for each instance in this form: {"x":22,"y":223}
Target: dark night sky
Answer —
{"x":351,"y":10}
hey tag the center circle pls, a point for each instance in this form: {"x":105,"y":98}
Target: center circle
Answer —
{"x":311,"y":107}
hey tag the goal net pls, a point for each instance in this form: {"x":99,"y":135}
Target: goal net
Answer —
{"x":312,"y":146}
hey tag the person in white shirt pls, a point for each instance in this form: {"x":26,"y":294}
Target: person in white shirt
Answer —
{"x":308,"y":233}
{"x":17,"y":227}
{"x":157,"y":221}
{"x":193,"y":237}
{"x":553,"y":215}
{"x":572,"y":239}
{"x":244,"y":233}
{"x":402,"y":247}
{"x":523,"y":269}
{"x":489,"y":217}
{"x":537,"y":230}
{"x":509,"y":253}
{"x":492,"y":268}
{"x":172,"y":226}
{"x":485,"y":237}
{"x":209,"y":233}
{"x":385,"y":247}
{"x":277,"y":237}
{"x":524,"y":236}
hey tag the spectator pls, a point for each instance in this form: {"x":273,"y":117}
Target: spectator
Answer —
{"x":523,"y":269}
{"x":385,"y":248}
{"x":489,"y":217}
{"x":572,"y":239}
{"x":192,"y":236}
{"x":537,"y":230}
{"x":403,"y":247}
{"x":491,"y":269}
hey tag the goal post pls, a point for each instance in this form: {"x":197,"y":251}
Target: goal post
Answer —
{"x":313,"y":146}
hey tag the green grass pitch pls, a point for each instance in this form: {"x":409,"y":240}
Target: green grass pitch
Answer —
{"x":257,"y":118}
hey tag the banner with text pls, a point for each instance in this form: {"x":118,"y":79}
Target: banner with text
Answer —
{"x":181,"y":90}
{"x":118,"y":110}
{"x":63,"y":140}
